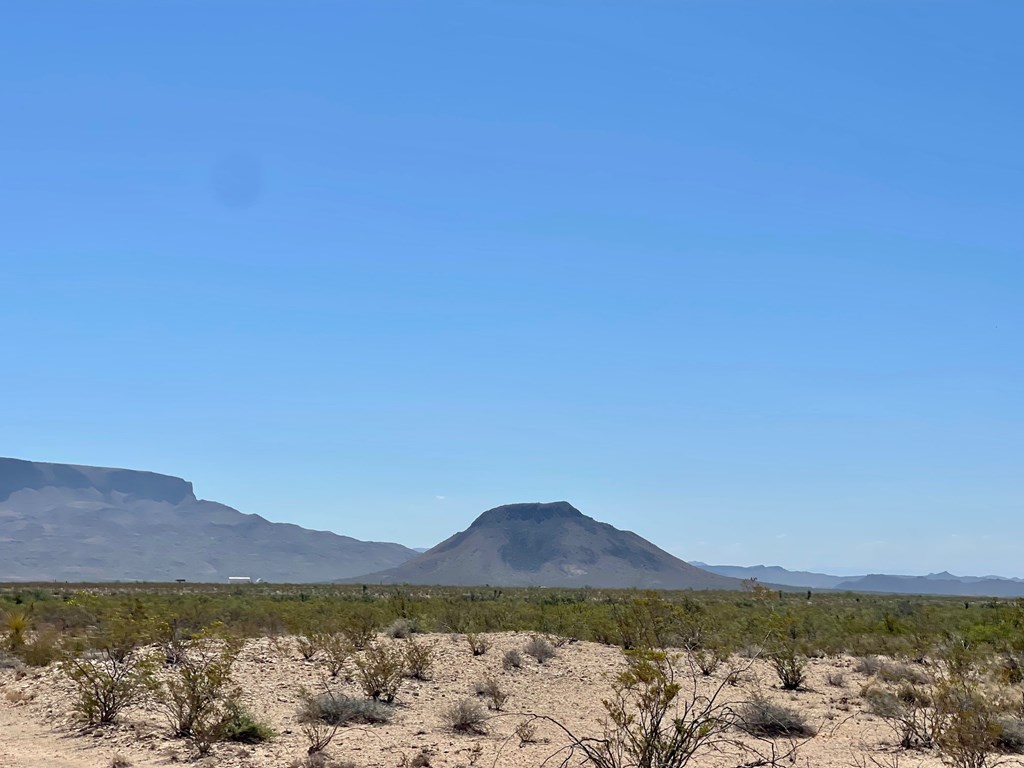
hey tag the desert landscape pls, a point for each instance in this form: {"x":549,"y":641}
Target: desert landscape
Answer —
{"x":349,"y":692}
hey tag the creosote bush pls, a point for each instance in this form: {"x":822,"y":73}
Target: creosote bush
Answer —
{"x":336,"y":651}
{"x":111,"y":676}
{"x":419,"y":659}
{"x":656,"y":722}
{"x":105,"y":685}
{"x":478,"y":644}
{"x":379,"y":671}
{"x":198,"y":695}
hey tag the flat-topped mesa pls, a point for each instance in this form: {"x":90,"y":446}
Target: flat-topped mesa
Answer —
{"x":19,"y":475}
{"x":534,"y":512}
{"x":65,"y":522}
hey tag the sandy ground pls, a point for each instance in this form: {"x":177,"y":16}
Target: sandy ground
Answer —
{"x":37,"y":727}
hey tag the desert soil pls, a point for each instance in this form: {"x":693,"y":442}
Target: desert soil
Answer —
{"x":38,"y":728}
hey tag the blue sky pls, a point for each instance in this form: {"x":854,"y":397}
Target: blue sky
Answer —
{"x":743,"y":277}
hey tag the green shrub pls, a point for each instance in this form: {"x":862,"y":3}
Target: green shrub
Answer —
{"x":198,"y":697}
{"x":379,"y":671}
{"x":360,"y":628}
{"x":106,"y":683}
{"x":790,"y":667}
{"x":419,"y":659}
{"x":241,"y":727}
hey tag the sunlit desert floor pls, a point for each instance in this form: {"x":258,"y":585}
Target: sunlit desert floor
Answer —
{"x":38,"y":728}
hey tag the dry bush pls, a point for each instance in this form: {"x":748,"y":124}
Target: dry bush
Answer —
{"x":540,"y":649}
{"x":914,"y":725}
{"x":868,"y":665}
{"x":898,"y":672}
{"x":478,"y":644}
{"x":1010,"y":738}
{"x":836,"y":679}
{"x":1011,"y":669}
{"x":338,"y":709}
{"x":308,"y":645}
{"x":379,"y":671}
{"x":420,"y":760}
{"x":466,"y":716}
{"x":317,"y":759}
{"x":526,"y":732}
{"x":400,"y":629}
{"x":761,"y":717}
{"x":491,"y":689}
{"x":319,"y":736}
{"x":708,"y":660}
{"x":512,"y":659}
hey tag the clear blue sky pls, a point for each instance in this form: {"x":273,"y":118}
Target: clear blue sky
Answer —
{"x":744,"y":277}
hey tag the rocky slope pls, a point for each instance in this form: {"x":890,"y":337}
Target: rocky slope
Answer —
{"x":552,"y":545}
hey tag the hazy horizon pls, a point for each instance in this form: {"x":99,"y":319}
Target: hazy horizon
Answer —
{"x":744,"y":278}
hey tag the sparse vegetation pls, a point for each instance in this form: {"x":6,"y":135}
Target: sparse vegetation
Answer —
{"x":241,"y":727}
{"x":379,"y":671}
{"x":540,"y":649}
{"x":198,"y":696}
{"x":491,"y":690}
{"x":512,"y":659}
{"x":478,"y":644}
{"x":466,"y":716}
{"x":762,"y":717}
{"x":340,"y":710}
{"x":419,"y":659}
{"x":399,"y":629}
{"x":112,"y":674}
{"x":942,"y":677}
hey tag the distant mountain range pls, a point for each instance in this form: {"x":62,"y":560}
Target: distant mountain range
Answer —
{"x":552,"y":545}
{"x":76,"y":523}
{"x":943,"y":583}
{"x":79,"y":523}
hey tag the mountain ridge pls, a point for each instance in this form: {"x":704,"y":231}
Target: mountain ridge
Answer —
{"x":941,"y":583}
{"x":71,"y":522}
